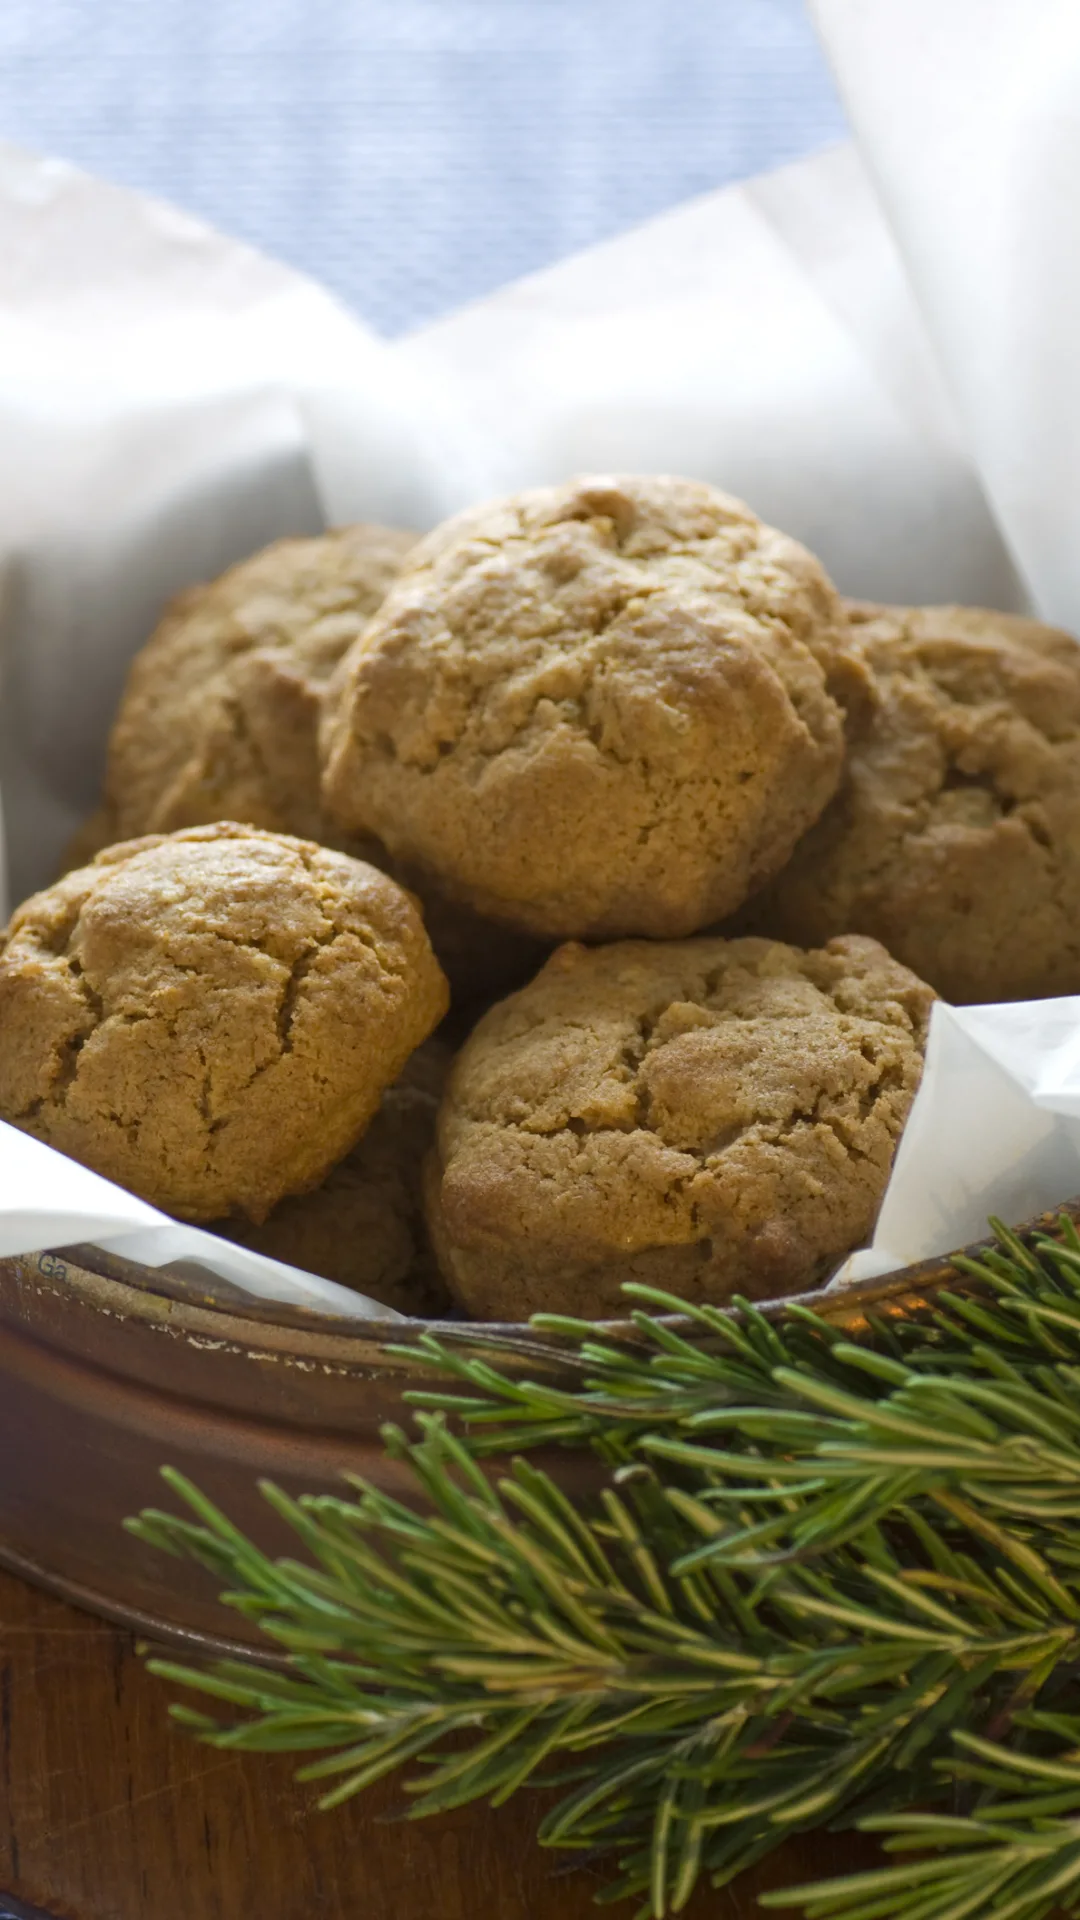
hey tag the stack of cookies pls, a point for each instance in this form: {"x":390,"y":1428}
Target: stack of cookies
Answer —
{"x":605,"y":787}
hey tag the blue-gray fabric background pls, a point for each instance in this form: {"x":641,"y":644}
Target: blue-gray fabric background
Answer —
{"x":414,"y":154}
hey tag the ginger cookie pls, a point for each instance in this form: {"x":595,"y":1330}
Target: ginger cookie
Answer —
{"x":955,"y":836}
{"x":219,"y":717}
{"x":709,"y":1116}
{"x":210,"y":1018}
{"x":597,"y":709}
{"x":219,"y":721}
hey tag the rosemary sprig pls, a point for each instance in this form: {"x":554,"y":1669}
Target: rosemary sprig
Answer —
{"x":825,"y":1583}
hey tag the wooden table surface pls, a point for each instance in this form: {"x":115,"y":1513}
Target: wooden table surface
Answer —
{"x":109,"y":1813}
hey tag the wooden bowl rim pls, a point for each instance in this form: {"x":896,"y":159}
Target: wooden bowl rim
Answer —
{"x":107,"y":1284}
{"x":361,"y":1351}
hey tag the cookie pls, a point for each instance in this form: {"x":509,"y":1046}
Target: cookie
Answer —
{"x":219,"y":722}
{"x":710,"y":1116}
{"x":210,"y":1018}
{"x":219,"y":716}
{"x":364,"y":1226}
{"x":597,"y":709}
{"x":955,"y":836}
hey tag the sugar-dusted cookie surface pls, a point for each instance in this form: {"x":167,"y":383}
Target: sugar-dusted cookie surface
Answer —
{"x":597,"y":709}
{"x":210,"y":1017}
{"x":709,"y":1116}
{"x":955,"y":835}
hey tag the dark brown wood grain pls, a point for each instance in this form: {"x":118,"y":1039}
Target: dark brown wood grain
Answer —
{"x":108,"y":1813}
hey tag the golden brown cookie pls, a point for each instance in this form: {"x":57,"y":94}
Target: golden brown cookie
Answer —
{"x":219,"y":717}
{"x":219,"y":722}
{"x":710,"y":1116}
{"x":595,"y":709}
{"x":210,"y":1018}
{"x":955,"y":836}
{"x":364,"y":1227}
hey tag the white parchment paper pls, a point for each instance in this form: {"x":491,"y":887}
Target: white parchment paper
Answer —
{"x":47,"y":1199}
{"x":876,"y":347}
{"x":995,"y":1129}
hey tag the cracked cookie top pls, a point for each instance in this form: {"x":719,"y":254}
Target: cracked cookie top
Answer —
{"x":210,"y":1017}
{"x":598,"y":709}
{"x":955,"y":835}
{"x":710,"y":1116}
{"x":219,"y":717}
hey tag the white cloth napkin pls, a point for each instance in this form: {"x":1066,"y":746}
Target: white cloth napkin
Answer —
{"x":875,"y":347}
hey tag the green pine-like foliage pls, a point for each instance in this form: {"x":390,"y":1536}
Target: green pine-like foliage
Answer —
{"x":821,"y":1583}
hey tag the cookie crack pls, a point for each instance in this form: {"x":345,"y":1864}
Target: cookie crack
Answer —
{"x":92,"y":999}
{"x":287,"y":1006}
{"x":957,"y":778}
{"x":588,"y":627}
{"x":57,"y":940}
{"x":68,"y":1053}
{"x":888,"y":1077}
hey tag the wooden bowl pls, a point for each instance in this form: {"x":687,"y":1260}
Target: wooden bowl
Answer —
{"x":109,"y":1371}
